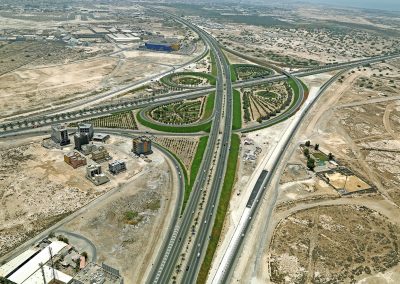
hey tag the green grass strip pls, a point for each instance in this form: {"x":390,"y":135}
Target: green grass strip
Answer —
{"x":175,"y":129}
{"x":233,"y":73}
{"x":237,"y":111}
{"x":194,"y":169}
{"x":208,"y":110}
{"x":222,"y":209}
{"x":214,"y":70}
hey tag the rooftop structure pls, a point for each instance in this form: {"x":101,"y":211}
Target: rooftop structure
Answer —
{"x":74,"y":159}
{"x":11,"y":266}
{"x":33,"y":266}
{"x":93,"y":273}
{"x":122,"y":38}
{"x":59,"y":134}
{"x":117,"y":167}
{"x":141,"y":145}
{"x":101,"y":137}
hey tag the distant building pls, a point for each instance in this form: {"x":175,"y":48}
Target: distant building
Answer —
{"x":80,"y":139}
{"x":171,"y":45}
{"x":95,"y":175}
{"x":100,"y":154}
{"x":74,"y":159}
{"x":121,"y":38}
{"x":59,"y":134}
{"x":101,"y":137}
{"x":141,"y":145}
{"x":86,"y":128}
{"x":116,"y":167}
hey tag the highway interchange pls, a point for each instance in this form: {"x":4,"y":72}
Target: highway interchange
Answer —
{"x":212,"y":170}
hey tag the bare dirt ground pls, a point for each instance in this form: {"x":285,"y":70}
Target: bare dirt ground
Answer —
{"x":38,"y":188}
{"x":308,"y":245}
{"x":24,"y":89}
{"x":135,"y":219}
{"x":356,"y":130}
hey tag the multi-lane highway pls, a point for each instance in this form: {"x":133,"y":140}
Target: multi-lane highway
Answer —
{"x":212,"y":170}
{"x":108,"y":108}
{"x":263,"y":178}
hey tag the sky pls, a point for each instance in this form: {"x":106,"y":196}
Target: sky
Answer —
{"x":388,"y":5}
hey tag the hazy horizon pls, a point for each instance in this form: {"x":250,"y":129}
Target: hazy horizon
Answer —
{"x":388,"y":5}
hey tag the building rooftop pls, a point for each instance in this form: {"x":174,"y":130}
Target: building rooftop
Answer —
{"x":34,"y":264}
{"x":16,"y":261}
{"x":49,"y":275}
{"x":84,"y":125}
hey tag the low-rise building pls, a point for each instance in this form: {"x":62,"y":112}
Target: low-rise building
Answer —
{"x":80,"y":139}
{"x":100,"y":154}
{"x":116,"y":167}
{"x":141,"y":145}
{"x":59,"y":134}
{"x":88,"y":149}
{"x":86,"y":128}
{"x":74,"y":159}
{"x":95,"y":175}
{"x":101,"y":137}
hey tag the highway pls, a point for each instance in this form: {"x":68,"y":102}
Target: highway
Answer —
{"x":17,"y":125}
{"x":221,"y":127}
{"x":210,"y":178}
{"x":267,"y":171}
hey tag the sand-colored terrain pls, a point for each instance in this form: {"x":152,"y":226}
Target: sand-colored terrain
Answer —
{"x":22,"y":90}
{"x":38,"y":188}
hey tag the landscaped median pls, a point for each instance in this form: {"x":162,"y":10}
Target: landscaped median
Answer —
{"x":222,"y":209}
{"x":182,"y":79}
{"x":285,"y":115}
{"x":208,"y":108}
{"x":237,"y":111}
{"x":194,"y":168}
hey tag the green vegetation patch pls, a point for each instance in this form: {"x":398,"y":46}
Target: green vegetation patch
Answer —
{"x":214,"y":70}
{"x":188,"y":79}
{"x":222,"y":209}
{"x":176,"y":129}
{"x":182,"y":112}
{"x":209,"y":108}
{"x":320,"y":156}
{"x":250,"y":71}
{"x":124,"y":120}
{"x":194,"y":169}
{"x":237,"y":111}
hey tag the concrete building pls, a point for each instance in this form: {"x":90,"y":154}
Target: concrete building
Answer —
{"x":80,"y":139}
{"x":86,"y":128}
{"x":122,"y":38}
{"x":163,"y":46}
{"x":141,"y":145}
{"x":101,"y":137}
{"x":35,"y":270}
{"x":95,"y":175}
{"x":116,"y":167}
{"x":74,"y":159}
{"x":88,"y":149}
{"x":100,"y":154}
{"x":59,"y":134}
